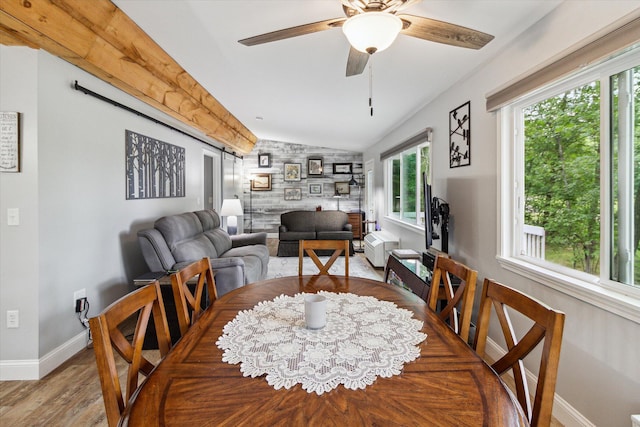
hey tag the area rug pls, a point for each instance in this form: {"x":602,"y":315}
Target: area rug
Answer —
{"x":288,"y":266}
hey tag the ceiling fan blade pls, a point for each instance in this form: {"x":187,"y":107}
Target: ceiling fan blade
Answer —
{"x":443,"y":32}
{"x":356,"y":62}
{"x":300,"y":30}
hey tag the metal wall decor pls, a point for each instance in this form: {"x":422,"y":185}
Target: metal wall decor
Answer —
{"x":460,"y":136}
{"x":154,"y":169}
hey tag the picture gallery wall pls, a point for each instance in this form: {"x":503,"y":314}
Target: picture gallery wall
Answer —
{"x":281,"y":177}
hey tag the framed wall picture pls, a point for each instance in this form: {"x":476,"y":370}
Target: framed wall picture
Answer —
{"x":460,"y":136}
{"x":293,"y":194}
{"x":292,"y":171}
{"x":342,"y":188}
{"x":314,"y":167}
{"x":261,"y":182}
{"x":343,"y":168}
{"x":315,"y":189}
{"x":264,"y":160}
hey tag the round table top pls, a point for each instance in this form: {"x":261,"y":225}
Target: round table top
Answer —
{"x":447,"y":385}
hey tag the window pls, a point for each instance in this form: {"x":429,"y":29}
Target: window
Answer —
{"x":404,"y":181}
{"x":571,"y":151}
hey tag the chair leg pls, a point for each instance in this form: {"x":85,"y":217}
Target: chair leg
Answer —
{"x":300,"y":256}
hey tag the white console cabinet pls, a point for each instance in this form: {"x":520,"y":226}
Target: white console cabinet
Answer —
{"x":377,"y":246}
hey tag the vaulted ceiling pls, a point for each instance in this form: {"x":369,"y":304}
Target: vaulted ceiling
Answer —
{"x":292,"y":90}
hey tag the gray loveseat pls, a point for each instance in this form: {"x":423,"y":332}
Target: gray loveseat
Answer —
{"x":312,"y":225}
{"x":178,"y":240}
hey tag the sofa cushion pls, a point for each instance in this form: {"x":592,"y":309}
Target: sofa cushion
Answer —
{"x":209,"y":219}
{"x":256,"y":259}
{"x":211,"y":227}
{"x":220,"y":239}
{"x":334,"y":235}
{"x":297,"y":235}
{"x":260,"y":251}
{"x":298,"y":220}
{"x":330,"y":220}
{"x":194,"y":249}
{"x":178,"y":228}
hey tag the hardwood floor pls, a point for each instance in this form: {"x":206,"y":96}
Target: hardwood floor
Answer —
{"x":69,"y":396}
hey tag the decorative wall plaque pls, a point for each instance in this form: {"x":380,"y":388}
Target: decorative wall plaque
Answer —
{"x":460,"y":136}
{"x":9,"y":142}
{"x":154,"y":169}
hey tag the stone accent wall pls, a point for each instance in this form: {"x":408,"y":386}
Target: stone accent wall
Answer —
{"x":263,"y":208}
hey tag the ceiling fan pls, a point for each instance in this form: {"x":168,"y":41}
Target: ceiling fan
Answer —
{"x":372,"y":26}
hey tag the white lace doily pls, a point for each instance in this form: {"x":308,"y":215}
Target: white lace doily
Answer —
{"x":364,"y":338}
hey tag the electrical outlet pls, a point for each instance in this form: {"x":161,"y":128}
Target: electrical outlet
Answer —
{"x":13,"y":318}
{"x":82,"y":293}
{"x":81,"y":305}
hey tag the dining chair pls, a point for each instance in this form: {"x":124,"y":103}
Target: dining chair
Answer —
{"x":548,"y":325}
{"x":310,"y":246}
{"x":108,"y":337}
{"x":458,"y":293}
{"x":189,"y":305}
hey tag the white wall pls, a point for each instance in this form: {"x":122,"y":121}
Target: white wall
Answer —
{"x":77,"y":229}
{"x":599,"y":372}
{"x":19,"y":273}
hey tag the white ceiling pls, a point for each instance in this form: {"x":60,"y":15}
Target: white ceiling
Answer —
{"x":297,"y":87}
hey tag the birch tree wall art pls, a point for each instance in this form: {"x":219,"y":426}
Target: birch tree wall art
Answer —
{"x":155,"y":169}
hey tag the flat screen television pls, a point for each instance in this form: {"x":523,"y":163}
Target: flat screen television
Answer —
{"x":428,"y":212}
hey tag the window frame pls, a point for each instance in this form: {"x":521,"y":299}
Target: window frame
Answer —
{"x":418,"y":224}
{"x":600,"y":291}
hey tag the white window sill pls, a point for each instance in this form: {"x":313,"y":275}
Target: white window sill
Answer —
{"x":405,"y":224}
{"x":626,"y":306}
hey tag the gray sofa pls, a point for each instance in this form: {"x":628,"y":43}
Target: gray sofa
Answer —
{"x":312,"y":225}
{"x":178,"y":240}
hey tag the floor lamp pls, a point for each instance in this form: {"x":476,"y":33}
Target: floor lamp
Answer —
{"x":353,"y":183}
{"x":250,"y":205}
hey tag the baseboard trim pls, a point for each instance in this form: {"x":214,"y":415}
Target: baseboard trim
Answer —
{"x":36,"y":369}
{"x":562,"y":410}
{"x":19,"y":370}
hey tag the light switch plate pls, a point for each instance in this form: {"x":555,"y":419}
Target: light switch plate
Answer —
{"x":13,"y":216}
{"x":13,"y":319}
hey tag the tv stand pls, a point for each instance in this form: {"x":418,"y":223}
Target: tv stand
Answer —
{"x":429,"y":257}
{"x":408,"y":273}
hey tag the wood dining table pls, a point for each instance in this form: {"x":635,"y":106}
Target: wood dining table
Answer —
{"x":447,"y":385}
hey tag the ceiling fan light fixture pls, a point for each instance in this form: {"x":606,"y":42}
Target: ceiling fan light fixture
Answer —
{"x":371,"y":32}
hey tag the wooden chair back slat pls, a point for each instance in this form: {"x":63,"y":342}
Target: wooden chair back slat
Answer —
{"x":310,"y":246}
{"x":548,"y":327}
{"x":459,"y":298}
{"x":185,"y":300}
{"x":109,"y":339}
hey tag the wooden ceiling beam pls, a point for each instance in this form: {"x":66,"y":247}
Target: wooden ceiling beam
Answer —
{"x":99,"y":38}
